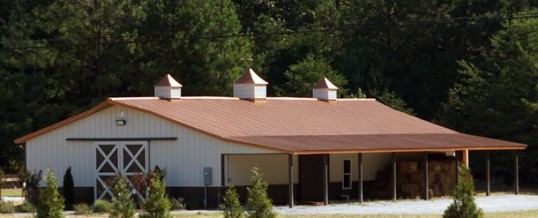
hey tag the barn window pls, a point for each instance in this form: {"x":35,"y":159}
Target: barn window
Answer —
{"x":346,"y":174}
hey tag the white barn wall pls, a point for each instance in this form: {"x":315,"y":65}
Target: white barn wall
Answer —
{"x":184,"y":158}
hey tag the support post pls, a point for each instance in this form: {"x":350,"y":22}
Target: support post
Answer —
{"x":360,"y":184}
{"x":394,"y":195}
{"x":458,"y":156}
{"x":426,"y":179}
{"x":290,"y":180}
{"x":325,"y":179}
{"x":466,"y":158}
{"x":516,"y":173}
{"x":488,"y":174}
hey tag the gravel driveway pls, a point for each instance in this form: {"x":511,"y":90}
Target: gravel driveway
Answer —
{"x":496,"y":203}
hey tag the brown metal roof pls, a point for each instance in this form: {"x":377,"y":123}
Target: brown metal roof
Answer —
{"x":324,"y":83}
{"x":168,"y":81}
{"x":250,"y":77}
{"x":306,"y":125}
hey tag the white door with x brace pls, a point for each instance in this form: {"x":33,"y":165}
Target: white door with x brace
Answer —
{"x":113,"y":158}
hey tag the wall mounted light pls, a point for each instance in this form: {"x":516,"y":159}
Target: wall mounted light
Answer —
{"x":120,"y":119}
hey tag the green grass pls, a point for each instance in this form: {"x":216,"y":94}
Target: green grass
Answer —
{"x":12,"y":192}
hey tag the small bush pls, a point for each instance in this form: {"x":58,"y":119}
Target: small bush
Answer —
{"x":157,"y":204}
{"x":231,"y":206}
{"x":258,"y":203}
{"x":25,"y":207}
{"x":81,"y":209}
{"x":68,"y":189}
{"x":177,"y":203}
{"x":464,"y":205}
{"x":51,"y":203}
{"x":101,"y":206}
{"x":7,"y":207}
{"x":122,"y":204}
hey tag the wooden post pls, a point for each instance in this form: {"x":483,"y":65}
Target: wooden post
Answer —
{"x":426,"y":179}
{"x":465,"y":157}
{"x":394,"y":195}
{"x":488,"y":175}
{"x":516,"y":173}
{"x":457,"y":166}
{"x":290,"y":180}
{"x":325,"y":179}
{"x":359,"y":173}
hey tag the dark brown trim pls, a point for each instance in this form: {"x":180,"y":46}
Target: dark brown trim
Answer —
{"x":360,"y":179}
{"x":426,"y":179}
{"x":290,"y":180}
{"x":394,"y":194}
{"x":516,"y":173}
{"x":222,"y":169}
{"x":124,"y":139}
{"x":488,"y":174}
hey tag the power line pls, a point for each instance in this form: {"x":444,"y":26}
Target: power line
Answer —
{"x":295,"y":30}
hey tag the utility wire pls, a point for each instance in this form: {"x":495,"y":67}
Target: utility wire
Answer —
{"x":296,"y":30}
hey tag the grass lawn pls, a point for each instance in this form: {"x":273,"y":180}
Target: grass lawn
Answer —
{"x":12,"y":192}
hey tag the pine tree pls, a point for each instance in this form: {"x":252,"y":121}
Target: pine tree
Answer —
{"x":51,"y":203}
{"x":232,"y":206}
{"x":69,"y":189}
{"x":122,"y":204}
{"x":464,"y":205}
{"x":258,"y":203}
{"x":157,"y":205}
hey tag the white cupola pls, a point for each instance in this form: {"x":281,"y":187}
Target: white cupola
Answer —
{"x":325,"y":90}
{"x":250,"y":86}
{"x":168,"y":88}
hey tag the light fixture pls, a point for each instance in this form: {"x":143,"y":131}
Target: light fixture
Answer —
{"x":121,"y":122}
{"x":120,"y":119}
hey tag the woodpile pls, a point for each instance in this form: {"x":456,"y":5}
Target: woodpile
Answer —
{"x":410,"y":179}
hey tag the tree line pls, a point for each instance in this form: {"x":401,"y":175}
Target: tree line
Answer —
{"x":470,"y":65}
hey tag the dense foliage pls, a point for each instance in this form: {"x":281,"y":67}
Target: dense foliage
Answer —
{"x":157,"y":205}
{"x":258,"y":203}
{"x":463,"y":205}
{"x":50,"y":203}
{"x":429,"y":58}
{"x":122,"y":203}
{"x":68,"y":189}
{"x":231,"y":205}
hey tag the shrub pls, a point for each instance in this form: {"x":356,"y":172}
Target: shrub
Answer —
{"x":258,"y":203}
{"x":177,"y":203}
{"x":7,"y":207}
{"x":25,"y":207}
{"x":69,"y":189}
{"x":122,"y":204}
{"x":101,"y":206}
{"x":81,"y":209}
{"x":157,"y":204}
{"x":463,"y":205}
{"x":161,"y":173}
{"x":1,"y":181}
{"x":31,"y":184}
{"x":231,"y":206}
{"x":51,"y":203}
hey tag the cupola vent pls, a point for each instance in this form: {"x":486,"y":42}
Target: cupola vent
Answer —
{"x":168,"y":88}
{"x":250,"y":86}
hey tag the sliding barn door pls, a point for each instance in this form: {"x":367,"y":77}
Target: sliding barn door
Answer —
{"x":118,"y":158}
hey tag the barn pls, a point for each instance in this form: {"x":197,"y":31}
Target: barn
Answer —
{"x":309,"y":149}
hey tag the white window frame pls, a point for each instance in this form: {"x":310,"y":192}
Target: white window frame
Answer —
{"x":349,"y":173}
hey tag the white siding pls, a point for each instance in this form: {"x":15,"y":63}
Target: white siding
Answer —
{"x":167,"y":92}
{"x":324,"y":94}
{"x":250,"y":91}
{"x":184,"y":158}
{"x":274,"y":167}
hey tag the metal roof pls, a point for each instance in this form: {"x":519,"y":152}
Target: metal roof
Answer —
{"x":305,"y":125}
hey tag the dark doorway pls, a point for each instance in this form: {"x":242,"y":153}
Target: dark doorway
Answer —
{"x":311,"y":177}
